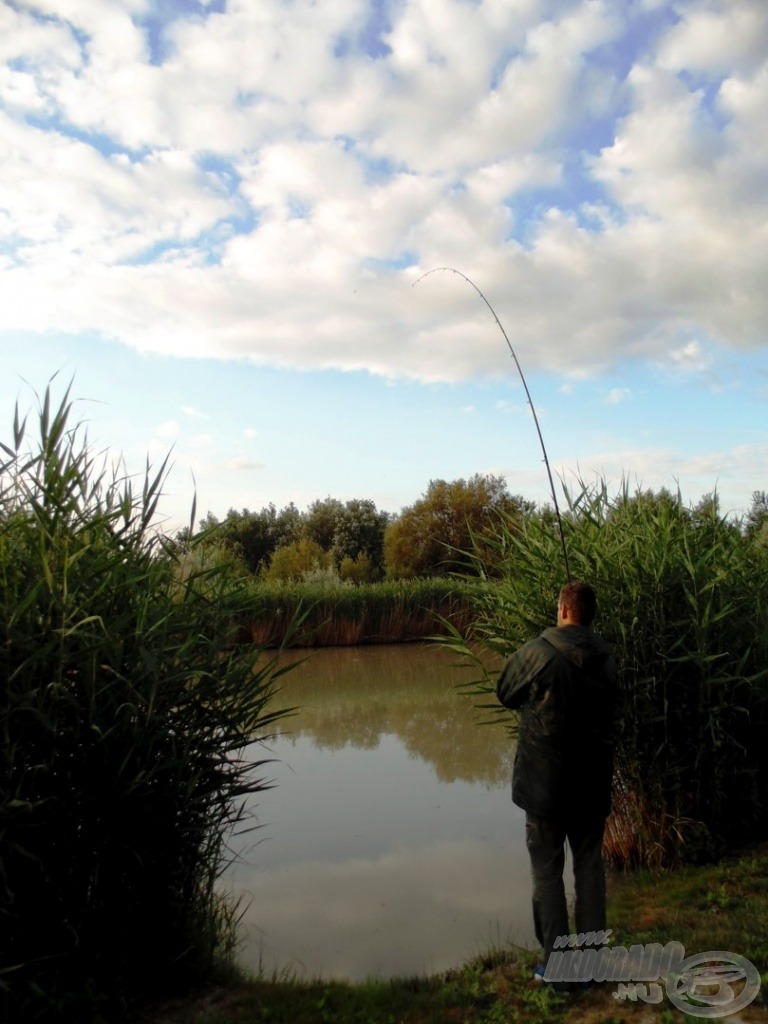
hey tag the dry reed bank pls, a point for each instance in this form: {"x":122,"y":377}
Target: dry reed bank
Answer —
{"x":373,"y":613}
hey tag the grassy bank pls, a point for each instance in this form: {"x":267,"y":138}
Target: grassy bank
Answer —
{"x":717,"y":907}
{"x":375,"y":613}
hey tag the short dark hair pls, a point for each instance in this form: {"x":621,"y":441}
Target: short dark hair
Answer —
{"x":581,"y":600}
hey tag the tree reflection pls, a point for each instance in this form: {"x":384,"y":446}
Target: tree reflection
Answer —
{"x":355,"y":696}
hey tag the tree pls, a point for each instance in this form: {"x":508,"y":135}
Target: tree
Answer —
{"x":321,"y":520}
{"x":292,"y":561}
{"x":360,"y":531}
{"x":630,"y":507}
{"x":356,"y":570}
{"x":253,"y":537}
{"x":434,"y":535}
{"x":756,"y":523}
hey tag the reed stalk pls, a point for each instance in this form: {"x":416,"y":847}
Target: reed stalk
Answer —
{"x":126,"y":704}
{"x":682,"y":597}
{"x":393,"y":612}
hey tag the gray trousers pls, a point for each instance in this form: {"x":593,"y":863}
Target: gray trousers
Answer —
{"x":545,"y":839}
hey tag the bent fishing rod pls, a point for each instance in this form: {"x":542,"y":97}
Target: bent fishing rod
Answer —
{"x":528,"y":397}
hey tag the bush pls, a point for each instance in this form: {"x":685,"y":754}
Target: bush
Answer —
{"x":125,"y":704}
{"x":683,"y":598}
{"x":294,"y":560}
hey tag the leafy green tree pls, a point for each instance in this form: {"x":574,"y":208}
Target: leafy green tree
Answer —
{"x":432,"y":536}
{"x":292,"y":561}
{"x":360,"y":530}
{"x":629,"y":506}
{"x":356,"y":570}
{"x":756,"y":522}
{"x":321,"y":520}
{"x":253,"y":537}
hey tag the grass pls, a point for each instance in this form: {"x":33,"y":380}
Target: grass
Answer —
{"x":715,"y":907}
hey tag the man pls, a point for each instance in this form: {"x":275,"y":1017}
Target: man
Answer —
{"x":564,"y":682}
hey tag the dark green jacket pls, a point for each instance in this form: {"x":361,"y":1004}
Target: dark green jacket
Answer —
{"x":564,"y":682}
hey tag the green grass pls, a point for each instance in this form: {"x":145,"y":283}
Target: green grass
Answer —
{"x":479,"y":992}
{"x":718,"y":907}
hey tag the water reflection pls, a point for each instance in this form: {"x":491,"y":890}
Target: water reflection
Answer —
{"x":354,"y":696}
{"x":390,"y":845}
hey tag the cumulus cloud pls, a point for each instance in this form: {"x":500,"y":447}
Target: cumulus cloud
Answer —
{"x":728,"y":471}
{"x":267,"y":181}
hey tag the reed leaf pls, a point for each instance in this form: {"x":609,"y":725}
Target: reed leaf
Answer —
{"x":126,"y":706}
{"x":682,"y":598}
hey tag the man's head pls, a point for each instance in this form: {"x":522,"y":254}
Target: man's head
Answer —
{"x":576,"y":605}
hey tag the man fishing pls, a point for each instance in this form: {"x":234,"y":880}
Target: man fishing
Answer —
{"x":564,"y":683}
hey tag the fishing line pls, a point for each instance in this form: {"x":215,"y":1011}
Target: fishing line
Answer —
{"x":528,"y":396}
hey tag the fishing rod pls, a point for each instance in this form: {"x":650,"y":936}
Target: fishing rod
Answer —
{"x":528,"y":396}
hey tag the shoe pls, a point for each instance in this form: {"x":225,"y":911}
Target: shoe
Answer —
{"x":563,"y":987}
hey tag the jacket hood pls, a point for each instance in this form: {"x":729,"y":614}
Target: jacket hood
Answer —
{"x":578,"y":644}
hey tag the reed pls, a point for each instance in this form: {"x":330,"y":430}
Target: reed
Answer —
{"x":683,"y":597}
{"x":125,"y":706}
{"x":339,"y":615}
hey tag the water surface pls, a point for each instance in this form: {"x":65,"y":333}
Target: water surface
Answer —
{"x":390,"y":845}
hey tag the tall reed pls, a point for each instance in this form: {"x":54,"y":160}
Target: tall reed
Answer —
{"x":374,"y":613}
{"x":124,"y":707}
{"x":683,"y":598}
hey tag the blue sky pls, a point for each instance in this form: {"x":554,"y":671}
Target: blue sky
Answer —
{"x":212,"y":216}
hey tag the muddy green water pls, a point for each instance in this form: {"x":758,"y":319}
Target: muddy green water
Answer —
{"x":389,"y":845}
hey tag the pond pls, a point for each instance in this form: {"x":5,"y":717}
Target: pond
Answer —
{"x":389,"y":845}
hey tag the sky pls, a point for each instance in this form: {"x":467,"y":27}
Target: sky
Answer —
{"x":216,"y":217}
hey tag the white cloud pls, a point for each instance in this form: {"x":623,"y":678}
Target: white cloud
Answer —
{"x":690,"y":357}
{"x":728,"y":471}
{"x":617,"y":395}
{"x":169,"y":429}
{"x":715,"y":36}
{"x":83,"y":213}
{"x":268,"y":191}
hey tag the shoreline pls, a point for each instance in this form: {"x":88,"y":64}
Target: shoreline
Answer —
{"x":722,"y":906}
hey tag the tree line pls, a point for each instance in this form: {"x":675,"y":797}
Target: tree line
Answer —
{"x":355,"y":542}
